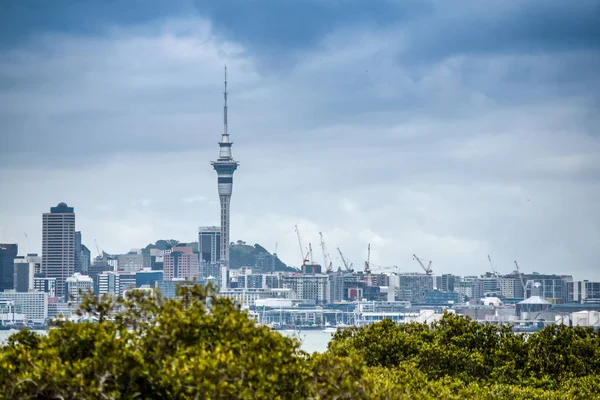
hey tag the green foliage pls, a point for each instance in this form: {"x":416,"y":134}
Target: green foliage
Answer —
{"x":199,"y":346}
{"x":203,"y":346}
{"x":459,"y":358}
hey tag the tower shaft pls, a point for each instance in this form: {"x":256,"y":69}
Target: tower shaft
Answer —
{"x":225,"y":166}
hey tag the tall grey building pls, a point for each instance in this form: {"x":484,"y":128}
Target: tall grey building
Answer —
{"x":8,"y":253}
{"x":78,"y":251}
{"x":58,"y":245}
{"x":225,"y":167}
{"x":25,"y":268}
{"x":85,"y":258}
{"x":209,"y":249}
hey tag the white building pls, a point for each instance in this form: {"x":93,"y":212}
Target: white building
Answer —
{"x":33,"y":304}
{"x":308,"y":287}
{"x":47,"y":285}
{"x":77,"y":286}
{"x":8,"y":313}
{"x":108,"y":283}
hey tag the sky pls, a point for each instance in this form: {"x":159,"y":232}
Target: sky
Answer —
{"x":450,"y":130}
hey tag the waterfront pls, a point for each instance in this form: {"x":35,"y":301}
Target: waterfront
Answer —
{"x":311,"y":340}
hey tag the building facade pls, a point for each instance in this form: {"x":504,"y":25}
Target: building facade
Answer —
{"x":58,"y":245}
{"x":209,"y":249}
{"x":33,"y":304}
{"x":180,"y":262}
{"x":308,"y":287}
{"x":24,"y":273}
{"x":412,"y":287}
{"x":76,"y":287}
{"x":8,"y":253}
{"x":583,"y":292}
{"x":47,"y":285}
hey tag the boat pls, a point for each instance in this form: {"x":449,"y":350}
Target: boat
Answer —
{"x":330,"y":330}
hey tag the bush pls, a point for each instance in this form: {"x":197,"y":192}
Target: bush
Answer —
{"x":203,"y":346}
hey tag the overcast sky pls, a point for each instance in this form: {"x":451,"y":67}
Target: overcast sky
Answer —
{"x":452,"y":130}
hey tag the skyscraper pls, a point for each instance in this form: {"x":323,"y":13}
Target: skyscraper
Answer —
{"x":25,"y":268}
{"x":225,"y":167}
{"x":77,"y":251}
{"x":58,"y":245}
{"x":209,"y":249}
{"x":8,"y":253}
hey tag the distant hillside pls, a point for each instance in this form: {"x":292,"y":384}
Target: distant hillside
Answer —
{"x":240,"y":255}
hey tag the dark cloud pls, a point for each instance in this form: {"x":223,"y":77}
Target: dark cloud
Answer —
{"x":280,"y":28}
{"x":385,"y":126}
{"x":21,"y":21}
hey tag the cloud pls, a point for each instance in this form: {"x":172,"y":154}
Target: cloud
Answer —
{"x":378,"y":135}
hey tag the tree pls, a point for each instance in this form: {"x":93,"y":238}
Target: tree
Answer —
{"x":198,"y":346}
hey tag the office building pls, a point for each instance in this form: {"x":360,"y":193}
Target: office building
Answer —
{"x":33,"y":304}
{"x":180,"y":262}
{"x":412,"y":286}
{"x":148,"y":277}
{"x":133,"y":261}
{"x":8,"y":253}
{"x":77,"y":286}
{"x":583,"y":292}
{"x":78,"y":251}
{"x":209,"y":245}
{"x":24,"y":273}
{"x":310,"y":288}
{"x":85,"y":259}
{"x":108,"y":283}
{"x":47,"y":285}
{"x":58,"y":245}
{"x":126,"y":281}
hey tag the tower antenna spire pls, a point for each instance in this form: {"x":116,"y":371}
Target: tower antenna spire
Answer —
{"x":225,"y":106}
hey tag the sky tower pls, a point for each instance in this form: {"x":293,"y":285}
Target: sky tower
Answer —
{"x":225,"y":167}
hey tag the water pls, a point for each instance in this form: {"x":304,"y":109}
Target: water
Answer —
{"x":311,"y":340}
{"x":5,"y":334}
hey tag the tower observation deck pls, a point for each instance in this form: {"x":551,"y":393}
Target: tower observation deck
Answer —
{"x":225,"y":167}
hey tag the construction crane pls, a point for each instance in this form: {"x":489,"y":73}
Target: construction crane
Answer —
{"x":98,"y":249}
{"x":367,"y":263}
{"x":327,"y":264}
{"x":494,"y":271}
{"x":368,"y":266}
{"x":522,"y":281}
{"x":427,"y":269}
{"x":302,"y":254}
{"x":347,"y":264}
{"x":311,"y":259}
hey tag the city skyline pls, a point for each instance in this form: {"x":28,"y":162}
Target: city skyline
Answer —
{"x":451,"y":141}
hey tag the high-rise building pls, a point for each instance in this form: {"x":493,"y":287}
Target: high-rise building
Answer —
{"x":58,"y":245}
{"x":78,"y":251}
{"x":209,"y":249}
{"x":85,"y":258}
{"x":308,"y":287}
{"x":8,"y":253}
{"x":412,"y":286}
{"x":225,"y":167}
{"x":180,"y":262}
{"x":25,"y":272}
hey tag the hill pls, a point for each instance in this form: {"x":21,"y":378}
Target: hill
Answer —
{"x":240,"y":255}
